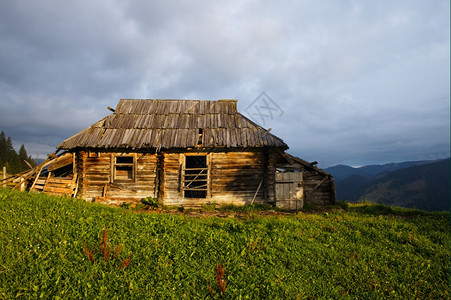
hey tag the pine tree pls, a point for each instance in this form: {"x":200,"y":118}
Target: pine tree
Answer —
{"x":31,"y":161}
{"x":23,"y":157}
{"x":13,"y":157}
{"x":9,"y":158}
{"x":14,"y":162}
{"x":3,"y":151}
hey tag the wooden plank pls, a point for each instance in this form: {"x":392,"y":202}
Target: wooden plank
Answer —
{"x":59,"y":180}
{"x":256,"y":192}
{"x":60,"y":162}
{"x":238,"y":178}
{"x":65,"y":190}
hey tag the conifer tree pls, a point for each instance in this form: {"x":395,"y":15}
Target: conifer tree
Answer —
{"x":3,"y":151}
{"x":13,"y":157}
{"x":9,"y":158}
{"x":23,"y":157}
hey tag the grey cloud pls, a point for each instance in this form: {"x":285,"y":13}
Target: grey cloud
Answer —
{"x":358,"y":81}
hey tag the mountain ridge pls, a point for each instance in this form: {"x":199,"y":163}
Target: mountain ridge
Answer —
{"x":414,"y":184}
{"x":343,"y":171}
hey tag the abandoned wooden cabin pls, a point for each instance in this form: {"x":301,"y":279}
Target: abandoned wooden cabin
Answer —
{"x":188,"y":153}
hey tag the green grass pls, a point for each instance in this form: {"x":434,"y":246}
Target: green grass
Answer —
{"x":367,"y":252}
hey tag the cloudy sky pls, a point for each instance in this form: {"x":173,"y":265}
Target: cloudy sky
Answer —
{"x":355,"y":82}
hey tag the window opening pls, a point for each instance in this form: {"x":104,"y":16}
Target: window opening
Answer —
{"x":195,"y":183}
{"x":124,"y":168}
{"x":124,"y":159}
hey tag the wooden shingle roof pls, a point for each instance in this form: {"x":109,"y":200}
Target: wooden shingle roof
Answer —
{"x":165,"y":124}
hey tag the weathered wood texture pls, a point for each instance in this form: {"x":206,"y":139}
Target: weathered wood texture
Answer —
{"x":319,"y":186}
{"x":290,"y":190}
{"x":270,"y":177}
{"x":167,"y":124}
{"x":241,"y":157}
{"x":233,"y":177}
{"x":60,"y":186}
{"x":96,"y":180}
{"x":60,"y":162}
{"x":39,"y":184}
{"x":170,"y":192}
{"x":319,"y":189}
{"x":29,"y":177}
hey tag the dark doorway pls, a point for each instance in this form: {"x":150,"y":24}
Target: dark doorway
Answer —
{"x":195,"y":181}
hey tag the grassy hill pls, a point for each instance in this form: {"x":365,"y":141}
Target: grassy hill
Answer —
{"x":52,"y":248}
{"x":425,"y":187}
{"x":422,"y":185}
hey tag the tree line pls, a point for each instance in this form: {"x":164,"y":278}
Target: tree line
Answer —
{"x":9,"y":158}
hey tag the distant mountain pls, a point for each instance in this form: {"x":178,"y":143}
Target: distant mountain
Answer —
{"x":352,"y":187}
{"x":341,"y":172}
{"x":421,"y":184}
{"x":424,"y":187}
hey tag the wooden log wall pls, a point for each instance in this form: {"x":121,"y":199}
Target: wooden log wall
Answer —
{"x":270,"y":178}
{"x":60,"y":186}
{"x":319,"y":189}
{"x":234,"y":177}
{"x":95,"y":182}
{"x":170,"y":189}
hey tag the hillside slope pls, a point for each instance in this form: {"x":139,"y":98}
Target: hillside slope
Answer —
{"x":352,"y":188}
{"x":65,"y":248}
{"x":424,"y":187}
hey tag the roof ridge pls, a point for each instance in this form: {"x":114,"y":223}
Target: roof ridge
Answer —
{"x":170,"y":99}
{"x":176,"y":123}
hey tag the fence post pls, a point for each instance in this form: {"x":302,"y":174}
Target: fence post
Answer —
{"x":4,"y":175}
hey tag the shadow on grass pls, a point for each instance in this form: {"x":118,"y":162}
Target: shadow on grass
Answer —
{"x":247,"y":208}
{"x":382,"y":209}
